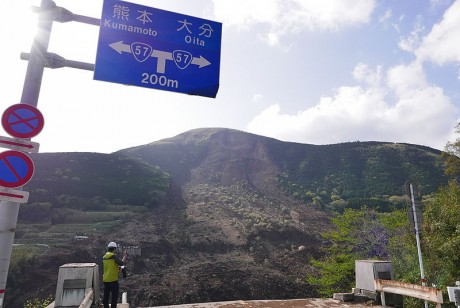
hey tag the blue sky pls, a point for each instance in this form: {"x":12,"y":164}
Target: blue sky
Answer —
{"x":308,"y":71}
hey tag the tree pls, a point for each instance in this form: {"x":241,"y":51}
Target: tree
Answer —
{"x":451,"y":156}
{"x":358,"y":234}
{"x":442,"y":235}
{"x":442,"y":222}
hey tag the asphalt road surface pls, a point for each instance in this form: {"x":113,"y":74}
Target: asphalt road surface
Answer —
{"x":295,"y":303}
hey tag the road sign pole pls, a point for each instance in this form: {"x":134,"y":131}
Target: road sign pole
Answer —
{"x":30,"y":93}
{"x":8,"y":210}
{"x":36,"y":65}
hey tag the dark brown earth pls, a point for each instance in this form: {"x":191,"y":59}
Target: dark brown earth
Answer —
{"x":226,"y":233}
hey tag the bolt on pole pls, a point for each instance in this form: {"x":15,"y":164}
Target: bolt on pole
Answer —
{"x":31,"y":90}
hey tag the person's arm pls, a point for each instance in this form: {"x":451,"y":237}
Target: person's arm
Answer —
{"x":125,"y":256}
{"x":118,"y":261}
{"x":123,"y":259}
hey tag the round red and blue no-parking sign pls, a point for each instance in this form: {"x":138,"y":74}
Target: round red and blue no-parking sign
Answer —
{"x":16,"y":169}
{"x":22,"y":121}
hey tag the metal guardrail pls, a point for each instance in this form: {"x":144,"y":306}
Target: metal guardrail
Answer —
{"x":397,"y":287}
{"x":88,"y":300}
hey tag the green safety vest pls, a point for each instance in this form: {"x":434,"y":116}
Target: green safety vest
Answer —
{"x":110,"y":268}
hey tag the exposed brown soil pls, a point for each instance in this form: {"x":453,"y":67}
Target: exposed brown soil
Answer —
{"x":227,"y":234}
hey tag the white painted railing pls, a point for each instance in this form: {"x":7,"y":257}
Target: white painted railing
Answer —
{"x":88,"y":300}
{"x":396,"y":287}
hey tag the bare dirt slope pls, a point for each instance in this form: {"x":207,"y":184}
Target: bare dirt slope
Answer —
{"x":226,"y":232}
{"x":233,"y":235}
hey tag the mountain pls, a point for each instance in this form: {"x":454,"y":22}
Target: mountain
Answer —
{"x":217,"y":214}
{"x":354,"y":172}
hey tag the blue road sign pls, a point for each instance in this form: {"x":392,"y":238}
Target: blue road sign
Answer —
{"x":22,"y":121}
{"x":153,"y":48}
{"x":16,"y":169}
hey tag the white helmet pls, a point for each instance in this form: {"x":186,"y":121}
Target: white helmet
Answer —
{"x":112,"y":245}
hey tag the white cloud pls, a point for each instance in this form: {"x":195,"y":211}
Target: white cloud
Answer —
{"x":329,"y":14}
{"x":402,"y":108}
{"x":439,"y":3}
{"x":257,"y":98}
{"x":272,"y":39}
{"x":396,"y":105}
{"x":413,"y":41}
{"x":386,"y":16}
{"x":291,"y":16}
{"x":362,"y":73}
{"x":245,"y":13}
{"x":403,"y":79}
{"x":441,"y":45}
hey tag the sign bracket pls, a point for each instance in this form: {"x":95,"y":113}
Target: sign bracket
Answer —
{"x":53,"y":61}
{"x":63,"y":15}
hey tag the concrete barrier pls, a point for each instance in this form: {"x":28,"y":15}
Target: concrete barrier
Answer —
{"x":78,"y":283}
{"x":78,"y":286}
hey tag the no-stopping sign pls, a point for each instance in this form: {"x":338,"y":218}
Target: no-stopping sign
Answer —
{"x":16,"y":169}
{"x":22,"y":121}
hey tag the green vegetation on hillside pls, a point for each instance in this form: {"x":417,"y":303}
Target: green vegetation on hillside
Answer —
{"x":358,"y":235}
{"x":87,"y":194}
{"x":95,"y":178}
{"x":390,"y":236}
{"x":352,"y":175}
{"x":366,"y":234}
{"x":442,"y":236}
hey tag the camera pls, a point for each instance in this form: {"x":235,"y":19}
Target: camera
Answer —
{"x":123,"y":271}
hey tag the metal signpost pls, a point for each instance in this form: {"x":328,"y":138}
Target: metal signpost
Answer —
{"x":152,"y":48}
{"x":138,"y":45}
{"x":16,"y":170}
{"x":21,"y":123}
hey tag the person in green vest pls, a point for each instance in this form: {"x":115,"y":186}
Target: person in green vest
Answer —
{"x":111,"y":264}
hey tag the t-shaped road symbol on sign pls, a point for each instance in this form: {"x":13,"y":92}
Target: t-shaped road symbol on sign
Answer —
{"x":142,"y":52}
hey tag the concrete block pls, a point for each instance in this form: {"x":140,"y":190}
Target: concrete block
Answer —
{"x":344,"y":297}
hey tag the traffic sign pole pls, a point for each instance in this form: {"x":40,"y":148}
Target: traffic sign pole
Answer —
{"x":7,"y":210}
{"x":36,"y":65}
{"x":185,"y":59}
{"x":31,"y":90}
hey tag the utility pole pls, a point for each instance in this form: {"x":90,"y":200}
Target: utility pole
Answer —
{"x":411,"y":191}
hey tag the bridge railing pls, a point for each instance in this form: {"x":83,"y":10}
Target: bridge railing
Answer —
{"x":406,"y":289}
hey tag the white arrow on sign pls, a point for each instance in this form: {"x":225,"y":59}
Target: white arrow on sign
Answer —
{"x":162,"y":56}
{"x":201,"y":61}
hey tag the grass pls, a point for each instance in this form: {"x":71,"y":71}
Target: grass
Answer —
{"x":22,"y":251}
{"x":80,"y":223}
{"x":92,"y":228}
